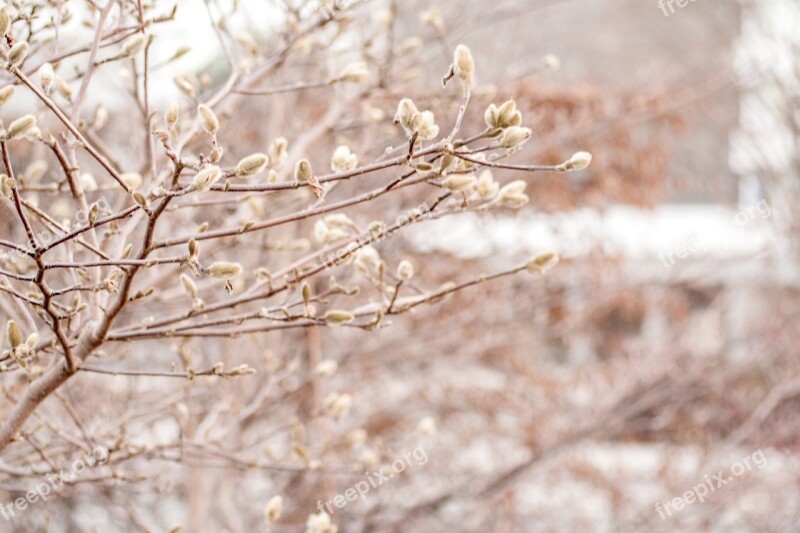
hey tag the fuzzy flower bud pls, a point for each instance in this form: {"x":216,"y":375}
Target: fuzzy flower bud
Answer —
{"x":302,"y":171}
{"x":274,"y":508}
{"x":464,"y":65}
{"x":343,"y":159}
{"x":224,"y":270}
{"x":504,"y":116}
{"x":405,"y":270}
{"x":337,"y":317}
{"x":21,"y":127}
{"x":206,"y":178}
{"x":578,"y":161}
{"x":486,"y":187}
{"x":46,"y":76}
{"x":320,"y":523}
{"x":512,"y":195}
{"x":133,"y":45}
{"x":18,"y":53}
{"x":514,"y":137}
{"x":252,"y":165}
{"x":5,"y":20}
{"x":5,"y":94}
{"x":458,"y":182}
{"x":13,"y":334}
{"x":189,"y":286}
{"x":208,"y":119}
{"x":173,"y":113}
{"x":542,"y":263}
{"x":278,"y":151}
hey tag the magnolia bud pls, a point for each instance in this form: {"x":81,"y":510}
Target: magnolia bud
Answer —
{"x":63,"y":88}
{"x":46,"y":76}
{"x":189,"y":286}
{"x":185,"y":85}
{"x":32,"y":341}
{"x":251,"y":165}
{"x":277,"y":152}
{"x":343,"y":159}
{"x":406,"y":111}
{"x":209,"y":119}
{"x":464,"y":65}
{"x":405,"y":270}
{"x":337,"y":317}
{"x":5,"y":94}
{"x":18,"y":53}
{"x":13,"y":334}
{"x":94,"y":209}
{"x":578,"y":161}
{"x":206,"y":178}
{"x":514,"y":137}
{"x":274,"y":508}
{"x":5,"y":21}
{"x":542,"y":263}
{"x":173,"y":113}
{"x":224,"y":270}
{"x":302,"y":171}
{"x":21,"y":127}
{"x":134,"y":45}
{"x":458,"y":182}
{"x":100,"y":118}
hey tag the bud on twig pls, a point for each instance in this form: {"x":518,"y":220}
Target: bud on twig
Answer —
{"x":337,"y":317}
{"x":252,"y":165}
{"x":5,"y":94}
{"x":21,"y":127}
{"x":18,"y":53}
{"x":464,"y":65}
{"x":172,"y":115}
{"x":542,"y":263}
{"x":13,"y":334}
{"x":578,"y":161}
{"x":5,"y":20}
{"x":302,"y":171}
{"x":46,"y":76}
{"x":206,"y":178}
{"x":133,"y":45}
{"x":224,"y":270}
{"x":343,"y":159}
{"x":405,"y":270}
{"x":274,"y":508}
{"x":208,"y":119}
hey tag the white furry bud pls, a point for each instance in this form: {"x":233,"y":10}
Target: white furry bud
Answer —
{"x":252,"y":165}
{"x":21,"y":127}
{"x":46,"y":76}
{"x":464,"y":65}
{"x":206,"y":178}
{"x":208,"y":119}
